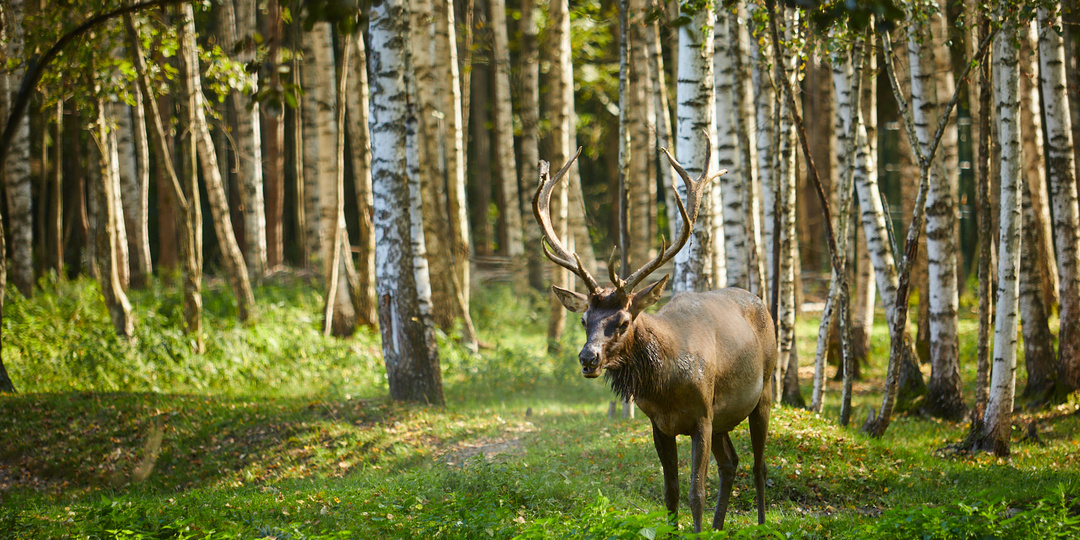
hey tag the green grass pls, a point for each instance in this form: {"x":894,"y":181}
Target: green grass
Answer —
{"x":277,"y":432}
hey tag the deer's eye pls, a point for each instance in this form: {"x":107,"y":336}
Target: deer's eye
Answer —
{"x":623,"y":326}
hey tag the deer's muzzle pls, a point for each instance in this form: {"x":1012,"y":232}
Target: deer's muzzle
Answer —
{"x":589,"y":357}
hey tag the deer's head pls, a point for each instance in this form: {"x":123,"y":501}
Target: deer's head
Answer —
{"x":609,"y":314}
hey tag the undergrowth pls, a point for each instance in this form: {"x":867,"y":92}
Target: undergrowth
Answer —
{"x":278,"y":432}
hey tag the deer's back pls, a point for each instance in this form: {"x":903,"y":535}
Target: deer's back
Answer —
{"x":728,"y":351}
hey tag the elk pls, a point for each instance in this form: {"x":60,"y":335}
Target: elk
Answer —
{"x":698,"y":367}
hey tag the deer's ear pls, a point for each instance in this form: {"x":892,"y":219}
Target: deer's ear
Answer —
{"x":574,"y":301}
{"x":647,"y":296}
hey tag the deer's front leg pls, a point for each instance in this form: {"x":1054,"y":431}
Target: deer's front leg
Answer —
{"x":669,"y":460}
{"x":699,"y":466}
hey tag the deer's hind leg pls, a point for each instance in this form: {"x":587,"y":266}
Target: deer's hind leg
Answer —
{"x":727,"y":461}
{"x":759,"y":429}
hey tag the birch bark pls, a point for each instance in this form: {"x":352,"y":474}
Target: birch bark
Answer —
{"x":115,"y":299}
{"x":235,"y":267}
{"x":248,"y":137}
{"x":505,"y":163}
{"x":732,"y":185}
{"x":412,"y":361}
{"x":997,"y":420}
{"x":1061,"y":169}
{"x":944,"y":397}
{"x":695,"y":119}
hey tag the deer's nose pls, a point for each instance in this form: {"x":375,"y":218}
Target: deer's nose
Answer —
{"x":590,"y":361}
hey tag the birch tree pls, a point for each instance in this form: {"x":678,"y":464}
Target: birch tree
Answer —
{"x":235,"y":267}
{"x":453,"y":136}
{"x":412,"y":361}
{"x":561,"y":103}
{"x":695,"y":119}
{"x":185,"y":194}
{"x":733,"y":184}
{"x":248,"y":137}
{"x":107,"y":239}
{"x":1061,"y":173}
{"x":996,"y":426}
{"x":943,"y":396}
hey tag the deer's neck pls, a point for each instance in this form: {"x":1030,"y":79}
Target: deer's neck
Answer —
{"x":639,"y":373}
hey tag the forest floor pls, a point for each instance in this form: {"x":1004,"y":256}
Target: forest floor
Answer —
{"x":276,"y":432}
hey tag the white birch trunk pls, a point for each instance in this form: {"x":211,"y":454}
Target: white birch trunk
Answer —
{"x":235,"y":267}
{"x":408,"y":339}
{"x":1034,"y":165}
{"x":107,"y":239}
{"x":765,"y":116}
{"x":140,"y":231}
{"x":17,"y":164}
{"x":997,"y":419}
{"x":118,"y":179}
{"x":944,"y":389}
{"x":1062,"y":180}
{"x":745,"y":116}
{"x":694,"y":119}
{"x":248,"y":138}
{"x":133,"y":235}
{"x":733,"y":183}
{"x":786,"y":179}
{"x":454,"y":141}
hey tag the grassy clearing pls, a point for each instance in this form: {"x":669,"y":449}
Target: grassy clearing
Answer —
{"x":277,"y":432}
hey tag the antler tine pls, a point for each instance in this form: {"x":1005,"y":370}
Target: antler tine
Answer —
{"x":615,"y":279}
{"x":694,"y":189}
{"x":553,"y":247}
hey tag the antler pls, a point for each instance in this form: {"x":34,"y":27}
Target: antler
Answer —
{"x":554,"y":248}
{"x":694,"y":189}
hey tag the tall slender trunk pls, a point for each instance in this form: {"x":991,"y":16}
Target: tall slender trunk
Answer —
{"x":997,"y":420}
{"x":663,"y":117}
{"x":431,"y":174}
{"x":123,"y":169}
{"x":273,"y":140}
{"x":1034,"y":165}
{"x":215,"y":190}
{"x":745,"y":117}
{"x":454,"y":151}
{"x":641,"y":116}
{"x":412,"y":361}
{"x":248,"y":137}
{"x":142,"y":266}
{"x":115,"y":299}
{"x":732,"y":184}
{"x":480,"y":164}
{"x":185,"y":194}
{"x":788,"y":385}
{"x":55,"y":213}
{"x":339,"y":310}
{"x":530,"y":133}
{"x":309,"y":181}
{"x":1061,"y":169}
{"x":986,"y":263}
{"x":944,"y":398}
{"x":326,"y":133}
{"x":695,"y":118}
{"x":17,"y":162}
{"x":562,"y":117}
{"x":357,"y":108}
{"x":1039,"y":357}
{"x":505,"y":162}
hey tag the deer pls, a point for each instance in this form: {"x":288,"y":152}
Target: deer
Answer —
{"x":698,"y":367}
